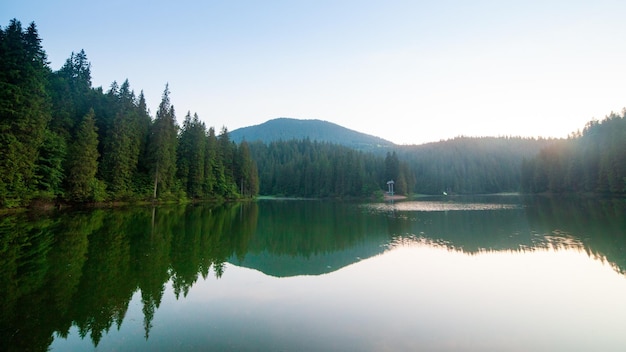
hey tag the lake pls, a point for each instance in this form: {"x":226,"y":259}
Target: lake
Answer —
{"x":491,"y":273}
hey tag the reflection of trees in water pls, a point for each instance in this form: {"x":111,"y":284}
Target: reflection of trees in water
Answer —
{"x":312,"y":237}
{"x":82,"y":269}
{"x":595,"y":226}
{"x":599,"y":225}
{"x":40,"y":270}
{"x":307,"y":228}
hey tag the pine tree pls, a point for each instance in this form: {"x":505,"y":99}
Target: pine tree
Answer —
{"x":50,"y":171}
{"x":24,"y":110}
{"x":162,"y":146}
{"x":226,"y":154}
{"x":392,"y":171}
{"x":246,"y":172}
{"x":191,"y":155}
{"x":213,"y":171}
{"x":82,"y":166}
{"x":122,"y":145}
{"x":143,"y":129}
{"x":70,"y":90}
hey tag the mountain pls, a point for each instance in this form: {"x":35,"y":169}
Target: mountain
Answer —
{"x":317,"y":130}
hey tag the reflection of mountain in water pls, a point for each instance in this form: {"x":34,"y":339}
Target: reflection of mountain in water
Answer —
{"x":317,"y":264}
{"x":59,"y":271}
{"x":312,"y":238}
{"x":316,"y":237}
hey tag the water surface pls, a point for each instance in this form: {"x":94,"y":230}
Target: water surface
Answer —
{"x":449,"y":274}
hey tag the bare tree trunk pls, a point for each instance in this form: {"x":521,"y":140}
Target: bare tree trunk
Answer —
{"x":156,"y":181}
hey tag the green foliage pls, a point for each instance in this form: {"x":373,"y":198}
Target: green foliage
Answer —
{"x":49,"y":170}
{"x":82,"y":269}
{"x":302,"y":168}
{"x":246,"y":171}
{"x":122,"y":144}
{"x":82,"y":166}
{"x":191,"y":156}
{"x":70,"y":91}
{"x":593,"y":161}
{"x":469,"y":165}
{"x":50,"y":148}
{"x":162,"y":146}
{"x":24,"y":111}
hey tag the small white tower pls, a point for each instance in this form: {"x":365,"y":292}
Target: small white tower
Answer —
{"x":390,"y":186}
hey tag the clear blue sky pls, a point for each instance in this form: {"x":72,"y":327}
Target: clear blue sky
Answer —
{"x":407,"y":71}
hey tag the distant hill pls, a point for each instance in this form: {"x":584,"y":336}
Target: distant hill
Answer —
{"x":316,"y":130}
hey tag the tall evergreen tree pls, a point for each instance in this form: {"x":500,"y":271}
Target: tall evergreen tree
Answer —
{"x":226,"y":154}
{"x":50,"y":171}
{"x":191,"y":155}
{"x":122,"y":145}
{"x":213,"y":169}
{"x":82,"y":166}
{"x":24,"y":110}
{"x":70,"y":90}
{"x":143,"y":129}
{"x":246,"y":173}
{"x":392,"y":172}
{"x":162,"y":146}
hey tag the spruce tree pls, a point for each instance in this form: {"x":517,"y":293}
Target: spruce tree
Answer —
{"x":213,"y":172}
{"x":163,"y":145}
{"x":70,"y":90}
{"x":24,"y":110}
{"x":226,"y":154}
{"x":122,"y":145}
{"x":247,"y":174}
{"x":191,"y":155}
{"x":50,"y":171}
{"x":82,"y":163}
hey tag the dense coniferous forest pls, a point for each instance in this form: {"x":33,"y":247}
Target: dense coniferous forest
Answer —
{"x":592,"y":161}
{"x":62,"y":140}
{"x":467,"y":165}
{"x":306,"y":168}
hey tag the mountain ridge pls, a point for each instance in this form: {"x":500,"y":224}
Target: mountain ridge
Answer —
{"x":285,"y":128}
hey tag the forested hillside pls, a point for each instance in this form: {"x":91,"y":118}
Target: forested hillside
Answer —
{"x":285,"y":129}
{"x":466,"y":165}
{"x":306,"y":168}
{"x":63,"y":140}
{"x":592,"y":161}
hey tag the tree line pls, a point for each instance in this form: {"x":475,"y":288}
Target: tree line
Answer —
{"x":463,"y":165}
{"x":63,"y":140}
{"x":591,"y":161}
{"x":470,"y":165}
{"x":305,"y":168}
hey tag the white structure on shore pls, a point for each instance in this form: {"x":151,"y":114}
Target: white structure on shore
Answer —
{"x":390,"y":186}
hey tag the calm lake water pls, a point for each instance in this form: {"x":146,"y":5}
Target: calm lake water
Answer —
{"x":438,"y":274}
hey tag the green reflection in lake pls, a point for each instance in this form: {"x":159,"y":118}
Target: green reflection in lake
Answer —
{"x":121,"y":279}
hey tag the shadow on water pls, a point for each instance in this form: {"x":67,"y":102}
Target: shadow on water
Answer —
{"x":81,"y":269}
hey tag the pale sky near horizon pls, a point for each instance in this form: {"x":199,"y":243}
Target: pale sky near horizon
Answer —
{"x":407,"y":71}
